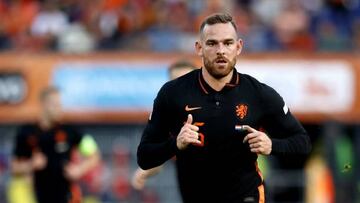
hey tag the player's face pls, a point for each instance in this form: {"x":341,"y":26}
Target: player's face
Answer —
{"x":52,"y":107}
{"x":219,"y":47}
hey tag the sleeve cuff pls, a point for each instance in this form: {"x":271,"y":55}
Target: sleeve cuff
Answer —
{"x":277,"y":146}
{"x":174,"y":146}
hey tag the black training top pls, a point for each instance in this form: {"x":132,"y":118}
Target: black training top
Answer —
{"x":57,"y":144}
{"x":223,"y":169}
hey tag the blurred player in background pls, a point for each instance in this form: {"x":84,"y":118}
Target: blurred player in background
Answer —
{"x":210,"y":119}
{"x":180,"y":68}
{"x":140,"y":176}
{"x":46,"y":150}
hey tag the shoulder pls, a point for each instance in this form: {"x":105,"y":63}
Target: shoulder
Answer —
{"x":27,"y":129}
{"x":261,"y":88}
{"x":28,"y":126}
{"x":269,"y":98}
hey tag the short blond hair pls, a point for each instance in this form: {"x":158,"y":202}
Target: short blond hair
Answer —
{"x":216,"y":19}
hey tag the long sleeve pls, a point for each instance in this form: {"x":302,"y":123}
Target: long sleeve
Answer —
{"x":156,"y":145}
{"x":287,"y":134}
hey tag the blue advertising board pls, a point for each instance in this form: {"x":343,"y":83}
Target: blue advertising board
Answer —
{"x":109,"y":86}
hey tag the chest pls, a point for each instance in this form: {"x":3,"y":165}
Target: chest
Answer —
{"x":53,"y":143}
{"x":217,"y":114}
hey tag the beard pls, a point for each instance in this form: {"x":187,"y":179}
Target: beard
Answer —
{"x":217,"y":71}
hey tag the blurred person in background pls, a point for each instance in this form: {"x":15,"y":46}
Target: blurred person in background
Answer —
{"x":291,"y":28}
{"x":140,"y":176}
{"x":211,"y":118}
{"x":277,"y":25}
{"x":49,"y":24}
{"x":47,"y":151}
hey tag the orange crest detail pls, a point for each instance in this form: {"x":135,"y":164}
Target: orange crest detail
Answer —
{"x":241,"y":110}
{"x":60,"y":136}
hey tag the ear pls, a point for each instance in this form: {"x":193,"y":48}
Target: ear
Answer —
{"x":239,"y":46}
{"x":198,"y":48}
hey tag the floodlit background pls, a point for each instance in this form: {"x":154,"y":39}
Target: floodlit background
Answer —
{"x":110,"y":57}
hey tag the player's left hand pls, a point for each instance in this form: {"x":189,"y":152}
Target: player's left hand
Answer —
{"x":258,"y":141}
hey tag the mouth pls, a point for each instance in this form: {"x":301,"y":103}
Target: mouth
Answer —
{"x":221,"y":61}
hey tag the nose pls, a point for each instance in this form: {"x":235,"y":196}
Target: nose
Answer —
{"x":220,"y":49}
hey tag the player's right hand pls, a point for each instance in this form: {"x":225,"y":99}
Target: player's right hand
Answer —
{"x":188,"y":134}
{"x":140,"y":176}
{"x":138,"y":180}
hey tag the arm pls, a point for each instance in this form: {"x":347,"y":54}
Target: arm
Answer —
{"x":140,"y":176}
{"x":26,"y":158}
{"x":187,"y":135}
{"x":287,"y":134}
{"x":91,"y":157}
{"x":23,"y":166}
{"x":156,"y":145}
{"x":293,"y":139}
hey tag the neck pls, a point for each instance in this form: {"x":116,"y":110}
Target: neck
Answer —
{"x":215,"y":83}
{"x":45,"y":123}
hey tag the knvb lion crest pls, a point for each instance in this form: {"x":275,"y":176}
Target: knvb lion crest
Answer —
{"x":241,"y":110}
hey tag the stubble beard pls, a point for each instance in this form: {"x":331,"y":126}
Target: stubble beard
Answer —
{"x":215,"y":71}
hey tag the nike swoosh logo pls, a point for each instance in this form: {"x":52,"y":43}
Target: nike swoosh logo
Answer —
{"x":187,"y":108}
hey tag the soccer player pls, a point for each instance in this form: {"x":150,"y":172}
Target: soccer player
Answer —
{"x":45,"y":150}
{"x":210,"y":119}
{"x":140,"y":176}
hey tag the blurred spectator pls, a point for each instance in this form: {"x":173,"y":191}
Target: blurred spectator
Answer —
{"x":76,"y":39}
{"x":334,"y":26}
{"x":49,"y":21}
{"x":330,"y":39}
{"x":120,"y":184}
{"x":267,"y":10}
{"x":291,"y":27}
{"x":49,"y":24}
{"x":356,"y":37}
{"x":250,"y":28}
{"x":15,"y":21}
{"x":171,"y":25}
{"x":4,"y":39}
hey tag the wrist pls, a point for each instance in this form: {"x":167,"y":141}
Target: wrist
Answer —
{"x":142,"y":173}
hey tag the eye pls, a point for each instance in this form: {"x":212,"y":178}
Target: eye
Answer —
{"x":210,"y":44}
{"x":228,"y":43}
